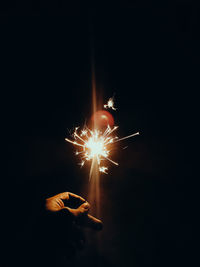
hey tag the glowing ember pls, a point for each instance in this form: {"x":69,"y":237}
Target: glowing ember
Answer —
{"x":110,"y":104}
{"x":103,"y":169}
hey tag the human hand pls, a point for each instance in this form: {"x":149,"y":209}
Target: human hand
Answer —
{"x":78,"y":211}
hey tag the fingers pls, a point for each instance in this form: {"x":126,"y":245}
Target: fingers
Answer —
{"x":80,"y":214}
{"x":83,"y":218}
{"x":64,"y":195}
{"x":80,"y":211}
{"x":68,"y":195}
{"x":84,"y":207}
{"x":54,"y":204}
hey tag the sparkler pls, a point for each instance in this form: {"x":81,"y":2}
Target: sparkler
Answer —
{"x":96,"y":146}
{"x":110,"y":104}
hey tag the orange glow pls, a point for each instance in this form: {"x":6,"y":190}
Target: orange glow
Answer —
{"x":102,"y":118}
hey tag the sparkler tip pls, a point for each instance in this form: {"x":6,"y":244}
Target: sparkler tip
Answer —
{"x":95,"y":145}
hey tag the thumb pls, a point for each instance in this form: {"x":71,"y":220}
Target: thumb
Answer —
{"x":81,"y":210}
{"x":84,"y":208}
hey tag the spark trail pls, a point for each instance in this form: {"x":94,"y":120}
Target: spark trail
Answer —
{"x":96,"y":146}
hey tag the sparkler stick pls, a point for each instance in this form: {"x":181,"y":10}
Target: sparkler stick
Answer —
{"x":97,"y":145}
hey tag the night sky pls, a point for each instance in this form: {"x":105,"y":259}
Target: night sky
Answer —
{"x":145,"y":54}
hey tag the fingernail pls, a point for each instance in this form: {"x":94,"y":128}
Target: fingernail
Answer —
{"x":86,"y":205}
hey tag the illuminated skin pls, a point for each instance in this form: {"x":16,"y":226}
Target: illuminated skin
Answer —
{"x":57,"y":203}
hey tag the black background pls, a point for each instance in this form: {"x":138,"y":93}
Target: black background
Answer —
{"x":147,"y":55}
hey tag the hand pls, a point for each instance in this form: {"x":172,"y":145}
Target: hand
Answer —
{"x":66,"y":214}
{"x":78,"y":211}
{"x":56,"y":203}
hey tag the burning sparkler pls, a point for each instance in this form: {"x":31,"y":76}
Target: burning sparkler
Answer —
{"x":96,"y":145}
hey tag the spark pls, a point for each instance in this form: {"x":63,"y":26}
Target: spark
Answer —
{"x":103,"y":169}
{"x":110,"y":104}
{"x":96,"y":145}
{"x":84,"y":132}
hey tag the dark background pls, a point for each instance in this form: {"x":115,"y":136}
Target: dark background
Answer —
{"x":145,"y":53}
